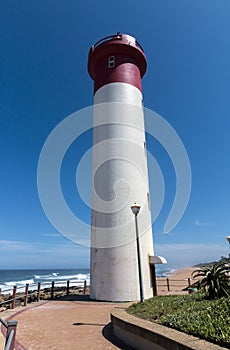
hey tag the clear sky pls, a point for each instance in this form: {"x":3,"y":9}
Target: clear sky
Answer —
{"x":43,"y":79}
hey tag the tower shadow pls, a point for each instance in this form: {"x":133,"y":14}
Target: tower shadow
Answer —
{"x":73,"y":297}
{"x":107,"y":333}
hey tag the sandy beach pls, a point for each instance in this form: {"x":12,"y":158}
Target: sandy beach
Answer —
{"x":176,"y":281}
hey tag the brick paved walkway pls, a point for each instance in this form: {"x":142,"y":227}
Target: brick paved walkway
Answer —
{"x":66,"y":325}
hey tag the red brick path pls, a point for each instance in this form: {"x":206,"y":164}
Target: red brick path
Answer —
{"x":66,"y":325}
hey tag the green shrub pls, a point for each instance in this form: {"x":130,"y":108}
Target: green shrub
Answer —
{"x":214,"y":281}
{"x":192,"y":314}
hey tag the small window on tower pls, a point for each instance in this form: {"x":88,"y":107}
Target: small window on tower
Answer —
{"x":148,"y":196}
{"x":111,"y":61}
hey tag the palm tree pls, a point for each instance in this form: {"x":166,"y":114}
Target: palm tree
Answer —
{"x":215,"y":280}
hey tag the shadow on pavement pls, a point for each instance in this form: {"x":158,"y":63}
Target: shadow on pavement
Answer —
{"x":73,"y":297}
{"x":88,"y":324}
{"x":107,"y":332}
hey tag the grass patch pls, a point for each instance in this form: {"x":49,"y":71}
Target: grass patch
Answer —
{"x":192,"y":314}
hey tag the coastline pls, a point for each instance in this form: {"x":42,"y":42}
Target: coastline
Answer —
{"x":178,"y":281}
{"x":21,"y":277}
{"x":174,"y":282}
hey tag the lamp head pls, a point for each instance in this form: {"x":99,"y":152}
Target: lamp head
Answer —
{"x":135,"y":208}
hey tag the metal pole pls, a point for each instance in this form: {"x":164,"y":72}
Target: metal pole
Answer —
{"x":167,"y":279}
{"x":85,"y":287}
{"x":26,"y":294}
{"x":39,"y":292}
{"x":154,"y":280}
{"x":52,"y":290}
{"x":67,"y":289}
{"x":11,"y":334}
{"x":139,"y":262}
{"x":14,"y":297}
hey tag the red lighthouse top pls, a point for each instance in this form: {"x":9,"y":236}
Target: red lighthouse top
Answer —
{"x":117,"y":58}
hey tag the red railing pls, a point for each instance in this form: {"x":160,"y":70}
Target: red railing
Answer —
{"x":12,"y":298}
{"x":10,"y":332}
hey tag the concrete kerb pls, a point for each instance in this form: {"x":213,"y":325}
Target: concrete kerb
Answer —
{"x":146,"y":335}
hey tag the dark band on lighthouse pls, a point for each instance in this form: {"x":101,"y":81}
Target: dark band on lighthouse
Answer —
{"x":118,"y":58}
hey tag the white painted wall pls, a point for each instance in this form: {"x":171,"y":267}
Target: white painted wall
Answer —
{"x":120,"y":178}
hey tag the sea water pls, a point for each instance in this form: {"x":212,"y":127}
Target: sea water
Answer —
{"x":19,"y":278}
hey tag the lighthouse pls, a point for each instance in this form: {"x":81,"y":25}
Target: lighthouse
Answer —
{"x":117,"y":64}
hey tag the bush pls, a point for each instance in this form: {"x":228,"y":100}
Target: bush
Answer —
{"x":192,"y":314}
{"x":215,"y":280}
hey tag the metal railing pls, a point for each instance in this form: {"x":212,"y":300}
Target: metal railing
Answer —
{"x":117,"y":36}
{"x":10,"y":326}
{"x":107,"y":38}
{"x":10,"y":333}
{"x":35,"y":294}
{"x":182,"y":284}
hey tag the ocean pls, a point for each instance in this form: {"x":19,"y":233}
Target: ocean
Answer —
{"x":19,"y":278}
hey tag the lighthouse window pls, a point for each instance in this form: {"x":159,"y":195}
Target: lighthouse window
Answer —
{"x":111,"y":61}
{"x":148,"y":196}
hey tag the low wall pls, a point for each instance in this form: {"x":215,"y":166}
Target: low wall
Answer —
{"x":146,"y":335}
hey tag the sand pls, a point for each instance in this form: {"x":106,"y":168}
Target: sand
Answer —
{"x":177,"y":281}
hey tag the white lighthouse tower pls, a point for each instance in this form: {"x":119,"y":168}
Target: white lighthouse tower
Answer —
{"x":120,"y":176}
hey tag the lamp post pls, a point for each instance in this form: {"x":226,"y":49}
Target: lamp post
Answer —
{"x":136,"y":209}
{"x":228,"y":239}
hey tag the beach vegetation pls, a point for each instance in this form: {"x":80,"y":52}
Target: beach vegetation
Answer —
{"x":193,"y":314}
{"x":214,"y":280}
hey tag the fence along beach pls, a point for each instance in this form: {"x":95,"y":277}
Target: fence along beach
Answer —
{"x":175,"y":282}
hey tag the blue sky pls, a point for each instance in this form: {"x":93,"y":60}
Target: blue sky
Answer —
{"x":43,"y":79}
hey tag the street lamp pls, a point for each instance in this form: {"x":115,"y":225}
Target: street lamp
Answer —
{"x":136,"y":209}
{"x":228,"y":239}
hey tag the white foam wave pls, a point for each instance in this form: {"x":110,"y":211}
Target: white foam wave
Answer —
{"x":19,"y":283}
{"x":46,"y":281}
{"x":64,"y":277}
{"x":2,"y":286}
{"x":43,"y":276}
